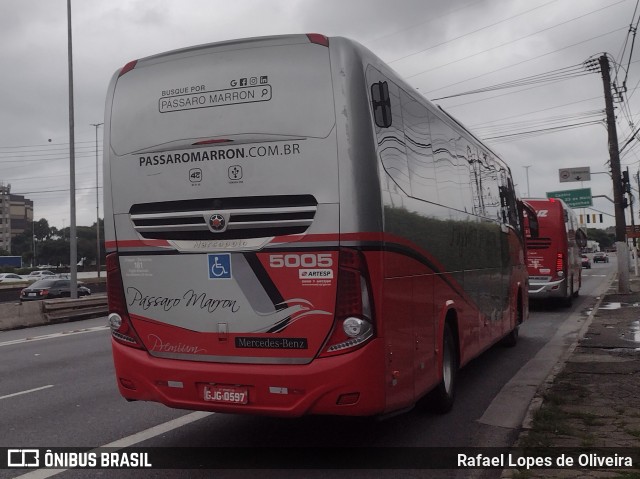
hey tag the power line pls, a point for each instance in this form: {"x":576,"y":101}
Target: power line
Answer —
{"x":54,"y":191}
{"x":633,"y":30}
{"x":528,"y":60}
{"x":431,"y":20}
{"x":542,"y":131}
{"x":39,"y":160}
{"x":551,"y":76}
{"x":525,"y":126}
{"x":517,"y":39}
{"x":44,"y":144}
{"x":472,"y":32}
{"x":533,"y":112}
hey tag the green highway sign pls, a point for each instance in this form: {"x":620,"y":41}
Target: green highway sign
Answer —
{"x":579,"y":198}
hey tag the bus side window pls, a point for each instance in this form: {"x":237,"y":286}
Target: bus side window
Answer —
{"x":381,"y":104}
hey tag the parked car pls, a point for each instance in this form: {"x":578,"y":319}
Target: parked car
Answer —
{"x":600,"y":257}
{"x":586,"y":262}
{"x":51,"y":288}
{"x":38,"y":274}
{"x":10,"y":278}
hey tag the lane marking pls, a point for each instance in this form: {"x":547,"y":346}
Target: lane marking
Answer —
{"x":26,"y":392}
{"x":128,"y":441}
{"x":54,"y":335}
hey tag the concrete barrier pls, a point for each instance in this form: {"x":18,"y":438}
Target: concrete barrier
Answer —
{"x":21,"y":315}
{"x":37,"y":313}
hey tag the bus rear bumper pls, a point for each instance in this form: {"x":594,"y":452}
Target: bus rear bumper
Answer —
{"x":548,"y":289}
{"x":348,"y":384}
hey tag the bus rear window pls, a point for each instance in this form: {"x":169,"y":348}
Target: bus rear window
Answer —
{"x":281,"y":90}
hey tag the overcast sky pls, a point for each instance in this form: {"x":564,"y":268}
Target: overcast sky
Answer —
{"x":442,"y":47}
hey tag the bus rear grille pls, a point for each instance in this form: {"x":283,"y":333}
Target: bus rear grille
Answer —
{"x":248,"y":217}
{"x":538,"y":243}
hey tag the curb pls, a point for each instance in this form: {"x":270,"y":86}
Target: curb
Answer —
{"x":536,"y":402}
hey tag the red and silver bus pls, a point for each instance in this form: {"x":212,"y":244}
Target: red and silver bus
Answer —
{"x":292,"y":229}
{"x":553,"y":258}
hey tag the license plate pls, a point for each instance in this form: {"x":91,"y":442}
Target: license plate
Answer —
{"x":226,"y":394}
{"x":31,"y":295}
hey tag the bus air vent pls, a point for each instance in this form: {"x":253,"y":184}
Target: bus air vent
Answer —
{"x":538,"y":243}
{"x":241,"y":218}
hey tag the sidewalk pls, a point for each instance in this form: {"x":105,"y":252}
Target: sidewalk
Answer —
{"x":594,"y":401}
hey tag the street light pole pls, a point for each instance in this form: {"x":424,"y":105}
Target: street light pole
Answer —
{"x":527,"y":170}
{"x":97,"y":125}
{"x":33,"y":239}
{"x":73,"y":241}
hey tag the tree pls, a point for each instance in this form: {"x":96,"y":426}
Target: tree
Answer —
{"x":41,"y":230}
{"x":604,"y":238}
{"x":52,"y":244}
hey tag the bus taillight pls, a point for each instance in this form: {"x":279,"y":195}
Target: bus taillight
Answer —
{"x":560,"y":264}
{"x":119,"y":321}
{"x":318,"y":39}
{"x":128,"y":67}
{"x":354,"y":314}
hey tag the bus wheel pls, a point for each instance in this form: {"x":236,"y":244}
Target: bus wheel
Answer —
{"x":441,"y":398}
{"x":511,"y":339}
{"x":568,"y":301}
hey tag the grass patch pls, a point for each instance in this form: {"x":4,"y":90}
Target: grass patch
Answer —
{"x":633,"y":432}
{"x":588,"y":441}
{"x":548,"y":422}
{"x":588,"y":418}
{"x":521,"y":475}
{"x":551,"y":418}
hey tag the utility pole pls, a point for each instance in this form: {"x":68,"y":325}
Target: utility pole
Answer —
{"x":630,"y":202}
{"x":614,"y":159}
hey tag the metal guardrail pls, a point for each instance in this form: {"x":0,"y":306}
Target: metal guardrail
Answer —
{"x":93,"y":305}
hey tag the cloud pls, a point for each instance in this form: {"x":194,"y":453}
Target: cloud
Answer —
{"x":442,"y":47}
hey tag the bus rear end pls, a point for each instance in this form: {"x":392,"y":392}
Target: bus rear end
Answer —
{"x":548,"y":255}
{"x":228,"y":289}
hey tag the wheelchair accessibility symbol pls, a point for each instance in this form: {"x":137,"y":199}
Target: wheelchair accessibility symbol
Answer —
{"x":219,"y":266}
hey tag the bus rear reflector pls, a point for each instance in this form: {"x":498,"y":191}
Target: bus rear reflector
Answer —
{"x":318,"y":39}
{"x":353,"y":325}
{"x":121,"y":328}
{"x":211,"y":142}
{"x":348,"y":399}
{"x":128,"y":384}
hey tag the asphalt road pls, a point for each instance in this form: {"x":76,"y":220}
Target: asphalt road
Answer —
{"x":57,"y":389}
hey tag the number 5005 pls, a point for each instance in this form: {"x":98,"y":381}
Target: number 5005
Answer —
{"x":307,"y":260}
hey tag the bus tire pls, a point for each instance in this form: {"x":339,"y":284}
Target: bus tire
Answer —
{"x":511,"y":339}
{"x":441,"y":399}
{"x":568,"y":300}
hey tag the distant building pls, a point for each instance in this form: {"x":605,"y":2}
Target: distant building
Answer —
{"x":16,"y":214}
